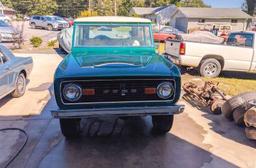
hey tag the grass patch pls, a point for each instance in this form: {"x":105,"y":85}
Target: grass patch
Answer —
{"x":233,"y":86}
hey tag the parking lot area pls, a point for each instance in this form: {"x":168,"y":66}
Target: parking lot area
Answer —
{"x":28,"y":33}
{"x":198,"y":138}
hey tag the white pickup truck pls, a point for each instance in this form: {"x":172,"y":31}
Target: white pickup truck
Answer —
{"x":237,"y":54}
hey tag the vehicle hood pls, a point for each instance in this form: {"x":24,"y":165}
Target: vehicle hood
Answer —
{"x":115,"y":65}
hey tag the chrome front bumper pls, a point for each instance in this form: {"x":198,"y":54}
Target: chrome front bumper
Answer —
{"x":121,"y":111}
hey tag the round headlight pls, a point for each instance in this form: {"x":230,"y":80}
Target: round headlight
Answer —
{"x":165,"y":90}
{"x":72,"y":92}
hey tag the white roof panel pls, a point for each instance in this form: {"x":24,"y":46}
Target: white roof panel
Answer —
{"x":117,"y":19}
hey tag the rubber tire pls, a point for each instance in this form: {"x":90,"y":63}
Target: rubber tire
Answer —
{"x":207,"y":61}
{"x":162,"y":124}
{"x":70,"y":128}
{"x":16,"y":93}
{"x":49,"y":27}
{"x":238,"y":116}
{"x":236,"y":102}
{"x":33,"y":25}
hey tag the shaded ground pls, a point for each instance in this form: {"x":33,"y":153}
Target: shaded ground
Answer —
{"x":198,"y":139}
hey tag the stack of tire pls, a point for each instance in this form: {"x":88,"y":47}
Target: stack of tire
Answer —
{"x":242,"y":110}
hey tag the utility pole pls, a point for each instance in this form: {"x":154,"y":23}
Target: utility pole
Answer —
{"x":115,"y":8}
{"x":89,"y":5}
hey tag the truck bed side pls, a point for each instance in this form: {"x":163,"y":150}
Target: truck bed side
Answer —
{"x":231,"y":57}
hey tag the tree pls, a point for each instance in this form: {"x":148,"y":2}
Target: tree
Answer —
{"x":156,"y":3}
{"x":126,"y":5}
{"x":31,"y":7}
{"x":192,"y":3}
{"x":71,"y":8}
{"x":249,"y":6}
{"x":7,"y":3}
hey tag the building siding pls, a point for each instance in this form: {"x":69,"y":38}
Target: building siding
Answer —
{"x":209,"y":23}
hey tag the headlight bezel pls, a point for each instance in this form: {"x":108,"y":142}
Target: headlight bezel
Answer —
{"x":75,"y":86}
{"x":161,"y":85}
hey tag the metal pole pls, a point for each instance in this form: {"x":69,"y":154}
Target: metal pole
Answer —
{"x":115,"y":9}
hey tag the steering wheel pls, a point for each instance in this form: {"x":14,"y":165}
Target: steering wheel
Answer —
{"x":102,"y":37}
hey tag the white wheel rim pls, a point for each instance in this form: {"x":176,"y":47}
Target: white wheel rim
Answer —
{"x":21,"y":84}
{"x":210,"y":69}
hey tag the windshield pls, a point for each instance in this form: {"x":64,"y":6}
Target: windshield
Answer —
{"x":58,"y":18}
{"x":113,"y":36}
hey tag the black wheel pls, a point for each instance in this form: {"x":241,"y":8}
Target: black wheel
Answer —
{"x":70,"y":128}
{"x":49,"y":27}
{"x":239,"y":101}
{"x":210,"y":68}
{"x":33,"y":25}
{"x":20,"y":86}
{"x":162,"y":124}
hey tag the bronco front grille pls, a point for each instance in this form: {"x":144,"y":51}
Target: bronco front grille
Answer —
{"x":117,"y":90}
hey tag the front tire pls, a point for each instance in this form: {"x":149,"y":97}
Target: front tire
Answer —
{"x":210,"y":68}
{"x":162,"y":124}
{"x":20,"y":86}
{"x":70,"y":128}
{"x":50,"y":27}
{"x":33,"y":25}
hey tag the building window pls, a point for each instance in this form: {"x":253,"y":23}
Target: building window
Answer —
{"x":201,"y":21}
{"x":234,"y":21}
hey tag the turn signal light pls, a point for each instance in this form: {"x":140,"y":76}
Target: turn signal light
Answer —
{"x":150,"y":91}
{"x":89,"y":92}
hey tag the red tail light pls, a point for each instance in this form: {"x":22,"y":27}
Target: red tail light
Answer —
{"x":182,"y":49}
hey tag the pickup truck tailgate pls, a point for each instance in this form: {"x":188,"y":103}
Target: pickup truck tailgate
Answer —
{"x":172,"y":48}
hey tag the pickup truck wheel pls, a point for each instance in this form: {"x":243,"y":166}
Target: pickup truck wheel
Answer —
{"x":162,"y":124}
{"x":210,"y":68}
{"x":70,"y":128}
{"x":50,"y":27}
{"x":20,"y":86}
{"x":33,"y":25}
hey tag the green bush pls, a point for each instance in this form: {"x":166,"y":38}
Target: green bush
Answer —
{"x":52,"y":43}
{"x":36,"y":41}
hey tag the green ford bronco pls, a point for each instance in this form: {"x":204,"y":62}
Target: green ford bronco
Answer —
{"x":114,"y":70}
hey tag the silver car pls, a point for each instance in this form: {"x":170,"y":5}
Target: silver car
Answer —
{"x":7,"y":32}
{"x":13,"y":73}
{"x":48,"y":22}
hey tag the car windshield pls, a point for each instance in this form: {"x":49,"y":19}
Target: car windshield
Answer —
{"x":113,"y":35}
{"x":58,"y":18}
{"x":3,"y":24}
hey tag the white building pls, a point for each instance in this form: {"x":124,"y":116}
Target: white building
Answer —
{"x":187,"y":19}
